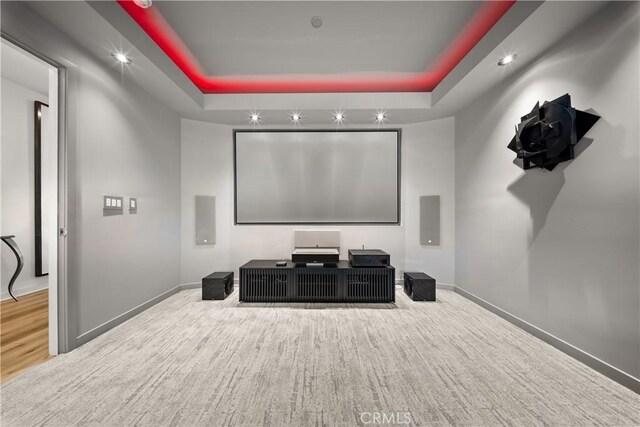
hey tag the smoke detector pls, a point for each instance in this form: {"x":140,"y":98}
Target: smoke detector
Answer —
{"x":316,"y":22}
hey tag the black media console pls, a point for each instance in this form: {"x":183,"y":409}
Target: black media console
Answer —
{"x":262,"y":281}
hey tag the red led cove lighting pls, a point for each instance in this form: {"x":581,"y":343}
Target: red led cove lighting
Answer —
{"x":152,"y":22}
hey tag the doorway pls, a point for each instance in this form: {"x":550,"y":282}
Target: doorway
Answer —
{"x":28,"y":210}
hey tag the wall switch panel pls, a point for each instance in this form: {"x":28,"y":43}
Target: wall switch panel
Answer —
{"x":133,"y":205}
{"x":112,"y":203}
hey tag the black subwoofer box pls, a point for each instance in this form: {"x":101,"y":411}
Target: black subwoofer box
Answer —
{"x":218,"y":285}
{"x":420,"y":287}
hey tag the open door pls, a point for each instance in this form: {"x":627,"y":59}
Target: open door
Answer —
{"x":30,"y":208}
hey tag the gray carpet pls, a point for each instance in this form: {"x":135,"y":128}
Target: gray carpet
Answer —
{"x":190,"y":362}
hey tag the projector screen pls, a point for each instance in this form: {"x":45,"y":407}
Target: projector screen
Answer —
{"x":317,"y":177}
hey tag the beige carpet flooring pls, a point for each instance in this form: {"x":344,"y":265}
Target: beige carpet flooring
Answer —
{"x":189,"y":362}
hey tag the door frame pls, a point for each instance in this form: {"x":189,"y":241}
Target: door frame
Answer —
{"x":58,"y":318}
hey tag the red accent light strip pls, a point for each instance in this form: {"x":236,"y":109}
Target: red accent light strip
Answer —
{"x":152,"y":22}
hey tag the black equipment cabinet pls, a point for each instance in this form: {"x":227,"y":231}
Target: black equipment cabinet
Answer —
{"x":262,"y":281}
{"x":217,"y":286}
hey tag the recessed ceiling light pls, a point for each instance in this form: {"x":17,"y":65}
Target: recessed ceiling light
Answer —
{"x":507,"y":59}
{"x":121,"y":57}
{"x":339,"y":117}
{"x":380,"y":117}
{"x":296,"y":117}
{"x":145,"y":4}
{"x":255,"y":118}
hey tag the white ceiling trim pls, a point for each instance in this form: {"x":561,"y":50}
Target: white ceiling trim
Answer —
{"x":317,"y":101}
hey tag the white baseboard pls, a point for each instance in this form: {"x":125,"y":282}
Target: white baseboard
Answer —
{"x":19,"y":292}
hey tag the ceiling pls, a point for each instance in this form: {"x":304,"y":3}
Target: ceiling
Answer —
{"x":103,"y":26}
{"x":271,"y":47}
{"x":22,"y":68}
{"x":263,"y":39}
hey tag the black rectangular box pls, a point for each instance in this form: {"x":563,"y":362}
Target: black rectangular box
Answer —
{"x":420,"y":287}
{"x":262,"y":281}
{"x":217,"y":286}
{"x":368,"y":258}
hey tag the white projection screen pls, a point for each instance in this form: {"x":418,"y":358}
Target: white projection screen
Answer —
{"x":317,"y":177}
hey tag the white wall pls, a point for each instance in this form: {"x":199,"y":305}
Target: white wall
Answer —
{"x":560,"y":249}
{"x":120,"y":141}
{"x":18,"y":205}
{"x":429,"y":169}
{"x":207,"y":169}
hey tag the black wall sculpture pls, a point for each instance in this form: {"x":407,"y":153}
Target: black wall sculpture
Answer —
{"x":548,"y":134}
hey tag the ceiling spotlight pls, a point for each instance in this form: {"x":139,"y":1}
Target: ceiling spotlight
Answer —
{"x":380,"y":117}
{"x":339,"y":117}
{"x":145,"y":4}
{"x":296,"y":117}
{"x":255,"y":118}
{"x":121,"y":57}
{"x":507,"y":59}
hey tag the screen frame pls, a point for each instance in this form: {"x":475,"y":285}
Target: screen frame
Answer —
{"x":398,"y":133}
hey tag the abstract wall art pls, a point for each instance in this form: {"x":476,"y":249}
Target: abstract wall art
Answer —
{"x":549,"y":133}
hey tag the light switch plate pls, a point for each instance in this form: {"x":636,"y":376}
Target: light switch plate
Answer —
{"x":133,"y":205}
{"x":112,"y":203}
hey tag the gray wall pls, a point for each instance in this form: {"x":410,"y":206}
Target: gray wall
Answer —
{"x":121,"y":141}
{"x":560,"y":249}
{"x":207,"y":169}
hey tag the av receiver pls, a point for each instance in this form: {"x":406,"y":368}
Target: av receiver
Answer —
{"x":368,"y":258}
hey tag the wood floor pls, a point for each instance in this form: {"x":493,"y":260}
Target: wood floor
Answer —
{"x":24,"y":333}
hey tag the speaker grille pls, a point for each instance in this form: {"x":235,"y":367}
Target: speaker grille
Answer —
{"x":264,"y":285}
{"x":370,"y":284}
{"x":317,"y":285}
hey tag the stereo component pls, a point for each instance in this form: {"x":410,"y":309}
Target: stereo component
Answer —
{"x":420,"y":287}
{"x":205,"y":220}
{"x":430,"y":220}
{"x":217,"y":286}
{"x":368,"y":258}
